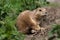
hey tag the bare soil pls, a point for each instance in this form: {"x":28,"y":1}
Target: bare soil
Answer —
{"x":53,"y":17}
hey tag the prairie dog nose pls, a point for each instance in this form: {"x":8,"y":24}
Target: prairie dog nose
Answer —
{"x":45,"y":13}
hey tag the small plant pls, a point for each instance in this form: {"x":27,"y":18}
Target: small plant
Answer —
{"x":55,"y":32}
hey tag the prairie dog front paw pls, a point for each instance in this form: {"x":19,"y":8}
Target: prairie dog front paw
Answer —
{"x":37,"y":28}
{"x":33,"y":31}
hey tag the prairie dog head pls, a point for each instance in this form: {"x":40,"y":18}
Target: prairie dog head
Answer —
{"x":40,"y":12}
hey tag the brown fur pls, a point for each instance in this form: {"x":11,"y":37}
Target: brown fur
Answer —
{"x":30,"y":19}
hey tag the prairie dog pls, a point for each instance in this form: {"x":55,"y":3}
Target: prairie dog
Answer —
{"x":29,"y":20}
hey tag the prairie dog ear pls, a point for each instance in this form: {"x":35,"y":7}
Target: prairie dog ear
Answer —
{"x":35,"y":10}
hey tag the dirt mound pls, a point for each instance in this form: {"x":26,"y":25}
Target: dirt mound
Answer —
{"x":53,"y":17}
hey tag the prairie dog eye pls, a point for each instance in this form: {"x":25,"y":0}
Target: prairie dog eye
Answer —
{"x":40,"y":10}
